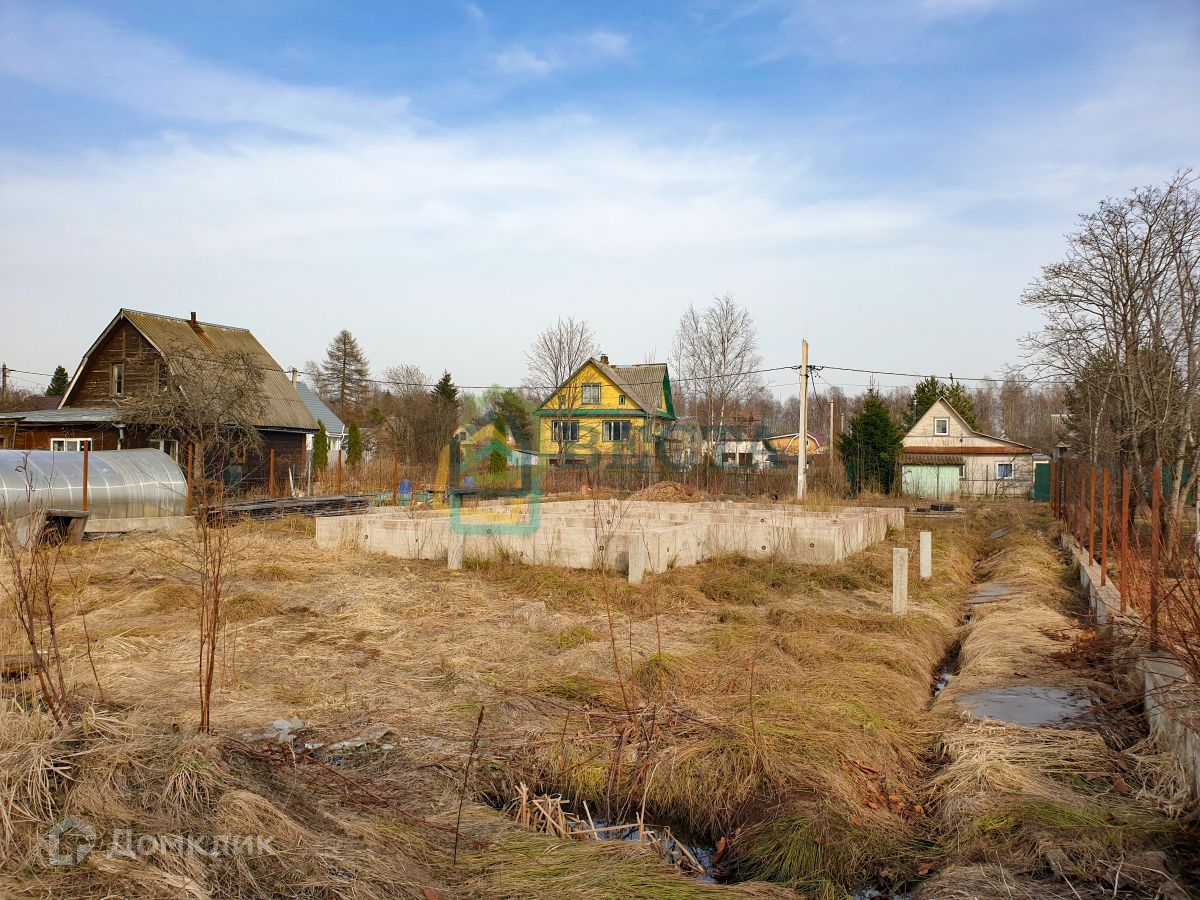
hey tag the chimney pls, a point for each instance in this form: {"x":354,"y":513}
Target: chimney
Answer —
{"x":193,"y":317}
{"x":294,"y":374}
{"x":604,"y":358}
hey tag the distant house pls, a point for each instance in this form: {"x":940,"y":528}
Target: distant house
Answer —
{"x":603,"y":410}
{"x":335,"y":429}
{"x":784,"y":448}
{"x":943,"y":458}
{"x":131,"y":356}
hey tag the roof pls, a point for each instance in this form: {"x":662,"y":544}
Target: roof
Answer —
{"x":319,"y":411}
{"x":1007,"y":447}
{"x":1012,"y":449}
{"x":931,"y":459}
{"x":643,"y":383}
{"x":74,"y":415}
{"x":170,"y":336}
{"x":789,"y":442}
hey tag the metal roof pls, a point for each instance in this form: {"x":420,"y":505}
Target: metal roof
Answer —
{"x":75,"y":415}
{"x":319,"y":411}
{"x":282,"y":406}
{"x":643,"y":383}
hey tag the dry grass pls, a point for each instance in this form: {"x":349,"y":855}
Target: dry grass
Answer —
{"x":777,"y":705}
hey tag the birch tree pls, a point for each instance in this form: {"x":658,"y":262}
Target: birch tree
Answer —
{"x":553,"y":358}
{"x":714,"y":357}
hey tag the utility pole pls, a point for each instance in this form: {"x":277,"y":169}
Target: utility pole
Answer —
{"x":802,"y":434}
{"x":4,"y":380}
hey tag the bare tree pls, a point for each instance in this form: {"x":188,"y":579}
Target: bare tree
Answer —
{"x":211,"y":404}
{"x":1123,"y":323}
{"x":556,"y":353}
{"x":715,"y":355}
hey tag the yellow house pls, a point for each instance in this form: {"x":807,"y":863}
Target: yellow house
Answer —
{"x":604,"y":410}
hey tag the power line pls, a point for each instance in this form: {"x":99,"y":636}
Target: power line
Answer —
{"x":939,"y":377}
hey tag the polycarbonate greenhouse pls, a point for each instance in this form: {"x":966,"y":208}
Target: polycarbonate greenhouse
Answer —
{"x":121,"y":484}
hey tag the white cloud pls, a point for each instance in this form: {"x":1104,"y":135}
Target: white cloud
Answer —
{"x":576,"y":51}
{"x":71,"y":51}
{"x":477,"y":17}
{"x":521,"y":61}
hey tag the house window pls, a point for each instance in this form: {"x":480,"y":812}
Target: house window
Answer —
{"x":70,"y":445}
{"x":591,"y":394}
{"x":616,"y":430}
{"x":620,"y":400}
{"x":745,"y":460}
{"x":171,"y":448}
{"x":1004,"y":470}
{"x":117,"y":379}
{"x":564,"y":432}
{"x":941,"y":425}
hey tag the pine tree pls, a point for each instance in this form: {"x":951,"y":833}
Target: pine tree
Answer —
{"x":354,"y":445}
{"x":929,"y":391}
{"x":320,"y":453}
{"x":871,"y":446}
{"x":343,"y":379}
{"x":58,"y":383}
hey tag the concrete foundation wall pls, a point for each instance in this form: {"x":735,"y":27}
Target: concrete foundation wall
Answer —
{"x":586,"y":534}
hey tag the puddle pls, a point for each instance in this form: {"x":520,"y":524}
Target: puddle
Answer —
{"x":1032,"y":705}
{"x":990,"y":593}
{"x":673,"y":848}
{"x":998,"y":533}
{"x":875,"y":894}
{"x":942,"y":681}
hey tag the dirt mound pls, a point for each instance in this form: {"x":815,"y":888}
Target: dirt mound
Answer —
{"x":669,"y":492}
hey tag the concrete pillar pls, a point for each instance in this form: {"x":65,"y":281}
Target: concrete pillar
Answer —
{"x":454,"y":553}
{"x":637,"y":558}
{"x":900,"y":581}
{"x":926,"y":555}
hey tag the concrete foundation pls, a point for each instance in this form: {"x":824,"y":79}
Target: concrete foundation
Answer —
{"x":598,"y":534}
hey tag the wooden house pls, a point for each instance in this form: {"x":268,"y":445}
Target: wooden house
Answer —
{"x":133,"y":355}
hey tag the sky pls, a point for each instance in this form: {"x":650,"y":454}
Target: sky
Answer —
{"x":882,"y":178}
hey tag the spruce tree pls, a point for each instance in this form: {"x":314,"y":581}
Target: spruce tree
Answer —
{"x":58,"y":383}
{"x":354,"y":445}
{"x":320,"y":453}
{"x":512,"y":413}
{"x":928,"y":391}
{"x":343,"y":379}
{"x":870,"y":448}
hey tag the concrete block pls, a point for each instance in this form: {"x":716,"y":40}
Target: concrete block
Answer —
{"x":926,"y":555}
{"x":456,"y":551}
{"x":637,"y":559}
{"x":900,"y":581}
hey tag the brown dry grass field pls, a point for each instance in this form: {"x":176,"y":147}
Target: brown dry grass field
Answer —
{"x":774,"y":711}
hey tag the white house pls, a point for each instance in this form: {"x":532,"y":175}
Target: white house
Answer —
{"x":335,"y":428}
{"x":943,"y":458}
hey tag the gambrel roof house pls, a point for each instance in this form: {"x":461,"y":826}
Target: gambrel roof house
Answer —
{"x":944,"y":457}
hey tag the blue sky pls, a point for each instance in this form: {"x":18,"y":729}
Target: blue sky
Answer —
{"x":882,"y":178}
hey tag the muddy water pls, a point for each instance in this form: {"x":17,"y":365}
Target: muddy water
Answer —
{"x":989,"y":593}
{"x":1032,"y":705}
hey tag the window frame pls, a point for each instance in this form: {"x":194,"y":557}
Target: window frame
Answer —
{"x":116,"y":379}
{"x":556,"y":427}
{"x":161,"y":444}
{"x":77,"y":441}
{"x":622,"y":426}
{"x":1012,"y":471}
{"x":589,"y":387}
{"x":941,"y":420}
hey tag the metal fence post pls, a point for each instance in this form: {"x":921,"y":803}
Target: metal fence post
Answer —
{"x":1155,"y":550}
{"x":1092,"y":517}
{"x":1124,"y":583}
{"x":1104,"y":531}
